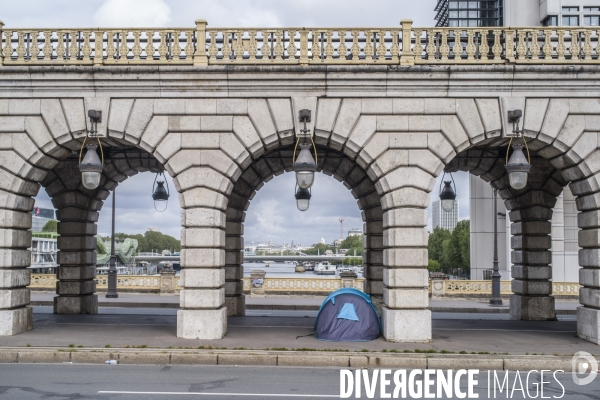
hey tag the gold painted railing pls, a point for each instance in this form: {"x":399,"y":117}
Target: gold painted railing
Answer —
{"x":299,"y":285}
{"x":303,"y":284}
{"x":468,"y":287}
{"x":202,"y":45}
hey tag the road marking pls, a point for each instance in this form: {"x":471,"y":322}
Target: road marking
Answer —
{"x":502,"y":330}
{"x":312,"y":396}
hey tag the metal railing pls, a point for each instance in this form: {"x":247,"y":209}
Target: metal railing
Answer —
{"x":202,"y":45}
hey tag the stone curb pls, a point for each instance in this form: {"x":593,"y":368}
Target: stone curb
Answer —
{"x":285,"y":358}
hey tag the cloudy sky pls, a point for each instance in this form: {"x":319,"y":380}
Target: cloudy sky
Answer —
{"x":272,"y":214}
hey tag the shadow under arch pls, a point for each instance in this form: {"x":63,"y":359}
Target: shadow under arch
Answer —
{"x":77,"y":211}
{"x":530,"y":212}
{"x":275,"y":162}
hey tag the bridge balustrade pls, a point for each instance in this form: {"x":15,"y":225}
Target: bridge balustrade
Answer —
{"x":405,"y":45}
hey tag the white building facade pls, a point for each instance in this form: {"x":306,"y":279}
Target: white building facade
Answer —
{"x":565,"y":263}
{"x":444,"y":219}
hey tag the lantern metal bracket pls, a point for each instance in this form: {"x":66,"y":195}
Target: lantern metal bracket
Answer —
{"x":514,"y":117}
{"x":304,"y":117}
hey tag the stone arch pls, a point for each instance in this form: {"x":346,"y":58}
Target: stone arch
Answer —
{"x":207,"y":145}
{"x":40,"y":143}
{"x":562,"y":136}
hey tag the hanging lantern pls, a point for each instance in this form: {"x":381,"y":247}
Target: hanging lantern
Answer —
{"x":518,"y":165}
{"x":518,"y":168}
{"x":91,"y":166}
{"x":303,"y":199}
{"x":447,"y":194}
{"x":159,"y":193}
{"x":305,"y":164}
{"x":305,"y":167}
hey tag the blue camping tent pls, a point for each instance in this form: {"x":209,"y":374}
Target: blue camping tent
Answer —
{"x":347,"y":315}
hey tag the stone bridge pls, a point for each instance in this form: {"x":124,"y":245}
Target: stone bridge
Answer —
{"x":392,"y":108}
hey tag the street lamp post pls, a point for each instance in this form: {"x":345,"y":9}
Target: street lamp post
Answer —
{"x":495,"y":300}
{"x":112,"y":269}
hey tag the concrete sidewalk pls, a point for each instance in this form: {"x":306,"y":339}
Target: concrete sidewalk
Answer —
{"x":134,"y":300}
{"x":157,"y":328}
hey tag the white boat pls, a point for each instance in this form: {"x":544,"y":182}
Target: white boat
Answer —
{"x":345,"y":268}
{"x":308,"y":266}
{"x":324,"y":268}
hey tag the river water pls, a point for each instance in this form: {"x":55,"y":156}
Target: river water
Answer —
{"x":283,"y":270}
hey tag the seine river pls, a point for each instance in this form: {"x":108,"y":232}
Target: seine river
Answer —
{"x":282,"y":270}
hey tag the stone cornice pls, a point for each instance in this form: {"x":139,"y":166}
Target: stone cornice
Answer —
{"x":288,"y":81}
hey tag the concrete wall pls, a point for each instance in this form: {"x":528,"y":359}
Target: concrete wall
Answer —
{"x":482,"y":230}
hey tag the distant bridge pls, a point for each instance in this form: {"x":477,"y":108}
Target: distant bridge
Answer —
{"x":256,"y":258}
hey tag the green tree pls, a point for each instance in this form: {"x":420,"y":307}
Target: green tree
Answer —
{"x":352,"y":261}
{"x":152,"y":241}
{"x":435,"y":244}
{"x":434,"y":266}
{"x":354,"y":245}
{"x":50,"y":226}
{"x":456,"y":249}
{"x":318,"y":248}
{"x":351,"y":242}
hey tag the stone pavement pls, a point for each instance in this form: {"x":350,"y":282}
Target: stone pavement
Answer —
{"x":138,"y":300}
{"x":122,"y":327}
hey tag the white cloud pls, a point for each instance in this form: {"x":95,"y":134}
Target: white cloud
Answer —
{"x":130,"y":13}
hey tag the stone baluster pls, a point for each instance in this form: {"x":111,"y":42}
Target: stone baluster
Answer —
{"x":509,"y":43}
{"x":407,"y":57}
{"x":98,"y":51}
{"x":200,"y":56}
{"x":2,"y":55}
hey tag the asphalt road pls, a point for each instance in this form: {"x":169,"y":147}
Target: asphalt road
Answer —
{"x":70,"y":381}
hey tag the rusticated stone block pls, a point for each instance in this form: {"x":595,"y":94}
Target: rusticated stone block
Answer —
{"x":409,"y":326}
{"x":531,"y":287}
{"x":202,"y":324}
{"x":532,"y":308}
{"x":202,"y":298}
{"x":87,"y":304}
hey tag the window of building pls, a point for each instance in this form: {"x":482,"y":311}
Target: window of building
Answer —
{"x":596,"y":9}
{"x":570,"y":9}
{"x":551,"y":20}
{"x":591,"y":20}
{"x":570,"y":20}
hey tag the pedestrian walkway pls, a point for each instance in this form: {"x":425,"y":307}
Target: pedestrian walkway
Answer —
{"x":127,"y":327}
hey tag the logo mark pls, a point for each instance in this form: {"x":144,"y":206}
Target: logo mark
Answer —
{"x":583,"y":363}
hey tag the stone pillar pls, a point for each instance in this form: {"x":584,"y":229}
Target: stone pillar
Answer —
{"x":167,"y":281}
{"x":347,"y":279}
{"x":405,"y":316}
{"x":257,"y":282}
{"x":373,"y":255}
{"x":15,"y":313}
{"x":203,"y":314}
{"x":234,"y":258}
{"x":76,"y":274}
{"x":588,"y":220}
{"x":531,"y":258}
